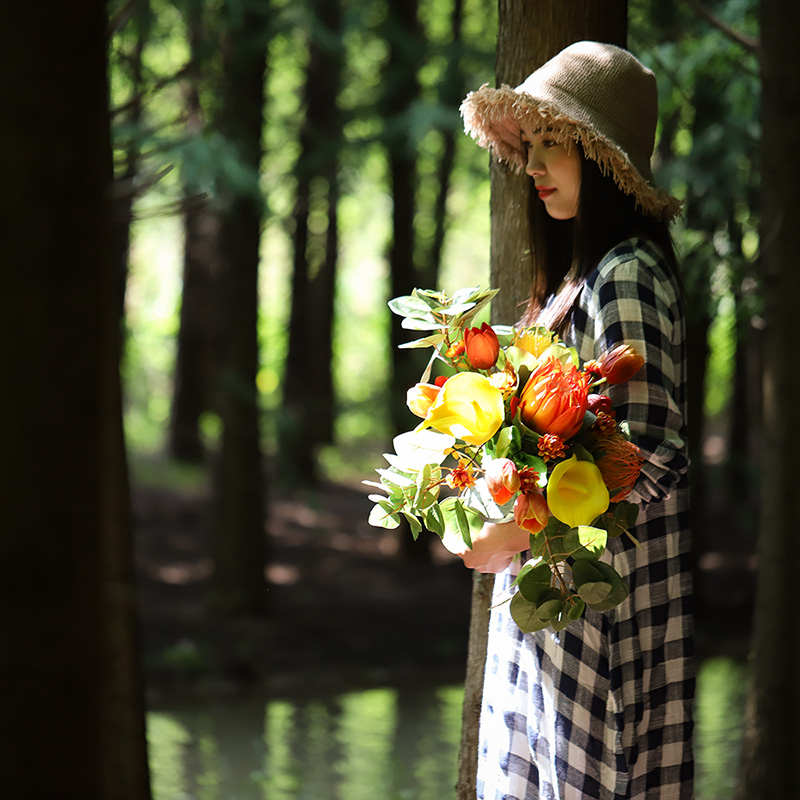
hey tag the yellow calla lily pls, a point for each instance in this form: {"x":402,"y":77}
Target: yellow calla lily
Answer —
{"x":576,"y":494}
{"x":468,"y":407}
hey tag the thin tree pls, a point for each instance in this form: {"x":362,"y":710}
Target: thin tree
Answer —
{"x":239,"y":499}
{"x":198,"y":335}
{"x":73,"y":719}
{"x":771,"y":745}
{"x":529,"y":33}
{"x":308,"y":394}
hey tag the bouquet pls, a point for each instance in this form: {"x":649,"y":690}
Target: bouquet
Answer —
{"x":514,"y":430}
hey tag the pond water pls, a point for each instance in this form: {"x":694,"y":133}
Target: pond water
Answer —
{"x":391,"y":743}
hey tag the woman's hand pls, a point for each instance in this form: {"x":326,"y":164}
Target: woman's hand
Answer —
{"x":493,"y":548}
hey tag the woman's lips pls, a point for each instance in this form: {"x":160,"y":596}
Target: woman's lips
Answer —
{"x":544,"y":191}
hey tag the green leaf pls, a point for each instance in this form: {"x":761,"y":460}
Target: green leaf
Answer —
{"x":534,"y":582}
{"x":460,"y":520}
{"x":560,"y":622}
{"x":463,"y":523}
{"x":618,"y":592}
{"x":434,"y":520}
{"x":585,"y":572}
{"x":409,"y":306}
{"x":508,"y":442}
{"x":585,"y":542}
{"x":576,"y":609}
{"x":428,"y":341}
{"x":380,"y":518}
{"x":549,"y":609}
{"x":614,"y":530}
{"x":593,"y":592}
{"x":524,"y":614}
{"x":414,"y":324}
{"x":414,"y":524}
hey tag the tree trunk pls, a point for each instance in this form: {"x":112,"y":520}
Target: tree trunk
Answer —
{"x":240,"y":538}
{"x":308,"y":395}
{"x":771,"y":745}
{"x":198,"y":335}
{"x":73,"y":721}
{"x":529,"y":33}
{"x":451,"y":92}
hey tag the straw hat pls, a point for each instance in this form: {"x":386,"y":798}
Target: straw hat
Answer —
{"x":594,"y":93}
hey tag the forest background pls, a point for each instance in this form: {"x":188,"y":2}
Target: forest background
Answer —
{"x":280,"y":171}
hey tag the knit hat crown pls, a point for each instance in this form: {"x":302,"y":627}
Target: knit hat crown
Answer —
{"x":594,"y":93}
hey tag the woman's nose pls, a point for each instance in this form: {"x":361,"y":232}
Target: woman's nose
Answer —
{"x":534,"y":166}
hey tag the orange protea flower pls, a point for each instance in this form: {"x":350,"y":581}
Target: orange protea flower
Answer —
{"x":461,"y":477}
{"x":554,"y":399}
{"x":551,"y":446}
{"x":535,"y":340}
{"x":619,"y":461}
{"x":604,"y":425}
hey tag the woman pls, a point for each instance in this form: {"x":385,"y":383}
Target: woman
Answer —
{"x":603,"y":708}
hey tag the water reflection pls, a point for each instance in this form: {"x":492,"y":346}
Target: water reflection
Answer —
{"x":392,"y":743}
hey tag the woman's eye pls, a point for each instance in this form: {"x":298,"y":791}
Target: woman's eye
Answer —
{"x":549,"y":143}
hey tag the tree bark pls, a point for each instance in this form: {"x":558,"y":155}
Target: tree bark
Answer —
{"x":198,"y":334}
{"x":73,"y":722}
{"x":308,"y":395}
{"x":771,"y":745}
{"x":529,"y":33}
{"x":240,"y":538}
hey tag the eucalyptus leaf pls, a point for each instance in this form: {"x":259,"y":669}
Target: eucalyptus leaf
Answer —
{"x":585,"y":542}
{"x":549,"y":609}
{"x":524,"y":614}
{"x":619,"y":591}
{"x":593,"y":592}
{"x":535,"y":582}
{"x":576,"y":609}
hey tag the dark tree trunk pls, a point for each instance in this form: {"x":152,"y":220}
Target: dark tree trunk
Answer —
{"x":131,"y":66}
{"x":72,"y":722}
{"x":198,"y":336}
{"x":401,"y":91}
{"x":308,"y":394}
{"x":529,"y":33}
{"x":240,"y":538}
{"x":451,"y":92}
{"x":771,"y":745}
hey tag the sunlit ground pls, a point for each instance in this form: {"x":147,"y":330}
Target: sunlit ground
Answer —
{"x":388,"y":743}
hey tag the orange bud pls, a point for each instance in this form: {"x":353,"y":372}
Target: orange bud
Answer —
{"x":620,"y":364}
{"x":502,"y":479}
{"x":482,"y":346}
{"x":419,"y":398}
{"x":531,"y":512}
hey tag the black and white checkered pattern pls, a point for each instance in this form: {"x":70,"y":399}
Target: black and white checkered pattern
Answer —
{"x":603,"y":709}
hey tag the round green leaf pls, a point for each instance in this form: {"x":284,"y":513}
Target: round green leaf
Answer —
{"x":593,"y":592}
{"x":524,"y":614}
{"x":618,"y":592}
{"x":535,"y":582}
{"x":585,"y":542}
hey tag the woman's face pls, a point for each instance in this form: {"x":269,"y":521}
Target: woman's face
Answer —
{"x":556,"y":172}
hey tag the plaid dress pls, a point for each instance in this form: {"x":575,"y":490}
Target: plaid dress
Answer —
{"x":603,"y":709}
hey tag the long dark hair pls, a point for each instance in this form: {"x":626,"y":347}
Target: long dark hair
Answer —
{"x":564,"y":252}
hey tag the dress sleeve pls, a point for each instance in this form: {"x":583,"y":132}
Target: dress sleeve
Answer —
{"x":632,"y":299}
